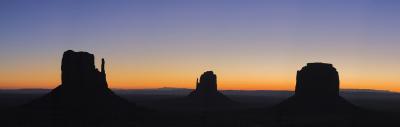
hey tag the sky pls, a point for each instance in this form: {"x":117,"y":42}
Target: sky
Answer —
{"x":249,"y":44}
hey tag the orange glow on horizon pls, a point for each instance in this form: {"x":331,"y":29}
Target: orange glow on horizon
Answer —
{"x":158,"y":74}
{"x":190,"y":84}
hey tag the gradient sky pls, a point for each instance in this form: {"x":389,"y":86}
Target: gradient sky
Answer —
{"x":250,"y":44}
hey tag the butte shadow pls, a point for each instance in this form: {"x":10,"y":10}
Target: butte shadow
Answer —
{"x":83,"y":99}
{"x":205,"y":97}
{"x":206,"y":92}
{"x":316,"y":101}
{"x":204,"y":106}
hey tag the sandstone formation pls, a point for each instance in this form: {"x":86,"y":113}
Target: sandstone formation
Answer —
{"x":317,"y":80}
{"x":206,"y":91}
{"x":207,"y":84}
{"x":82,"y":99}
{"x":316,"y":101}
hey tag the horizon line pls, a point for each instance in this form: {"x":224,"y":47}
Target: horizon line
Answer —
{"x":193,"y":89}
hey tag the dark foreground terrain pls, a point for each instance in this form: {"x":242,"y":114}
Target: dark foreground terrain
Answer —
{"x":170,"y":108}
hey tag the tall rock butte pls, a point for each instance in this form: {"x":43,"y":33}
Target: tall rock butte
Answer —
{"x":317,"y":80}
{"x":316,"y":99}
{"x":78,"y":70}
{"x":83,"y":98}
{"x":82,"y":82}
{"x":206,"y":90}
{"x":207,"y":84}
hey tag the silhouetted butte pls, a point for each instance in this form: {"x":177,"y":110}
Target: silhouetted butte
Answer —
{"x":83,"y":98}
{"x":206,"y":91}
{"x":316,"y":101}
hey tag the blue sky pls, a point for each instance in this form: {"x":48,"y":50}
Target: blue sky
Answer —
{"x":268,"y":38}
